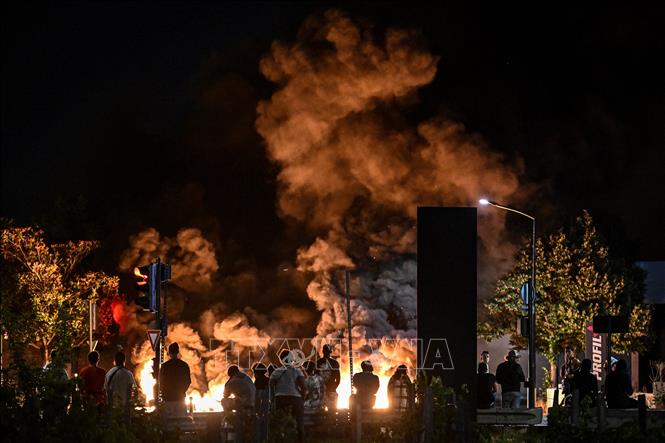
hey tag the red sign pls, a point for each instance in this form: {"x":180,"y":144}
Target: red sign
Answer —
{"x":153,"y":336}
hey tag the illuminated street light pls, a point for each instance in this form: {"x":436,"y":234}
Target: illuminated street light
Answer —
{"x":531,"y":302}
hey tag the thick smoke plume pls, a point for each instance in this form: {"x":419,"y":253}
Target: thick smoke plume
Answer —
{"x":354,"y":170}
{"x":193,"y":260}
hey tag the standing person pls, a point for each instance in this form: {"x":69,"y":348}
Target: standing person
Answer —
{"x":510,"y":376}
{"x":262,"y":400}
{"x":242,"y":388}
{"x":93,"y":380}
{"x":618,"y":389}
{"x":486,"y":387}
{"x":314,"y":388}
{"x":54,"y":369}
{"x":367,"y":385}
{"x":485,"y":358}
{"x":174,"y":380}
{"x":400,"y":390}
{"x":328,"y":369}
{"x":288,"y":383}
{"x":586,"y":382}
{"x":570,"y":366}
{"x":118,"y":385}
{"x":57,"y":399}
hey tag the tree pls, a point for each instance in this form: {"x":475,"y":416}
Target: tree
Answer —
{"x":45,"y":302}
{"x":577,"y":279}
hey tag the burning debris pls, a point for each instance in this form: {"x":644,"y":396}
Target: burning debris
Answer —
{"x":353,"y":170}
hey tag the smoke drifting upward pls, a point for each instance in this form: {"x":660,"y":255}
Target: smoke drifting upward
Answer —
{"x":353,"y":170}
{"x":193,"y":260}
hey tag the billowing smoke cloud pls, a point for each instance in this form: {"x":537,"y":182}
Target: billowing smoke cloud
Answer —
{"x":193,"y":260}
{"x":354,"y":170}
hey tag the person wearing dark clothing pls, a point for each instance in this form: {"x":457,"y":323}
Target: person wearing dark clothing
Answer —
{"x":174,"y":380}
{"x":486,"y":387}
{"x":261,"y":403}
{"x":510,"y":376}
{"x":618,"y":388}
{"x":239,"y":396}
{"x":401,"y":394}
{"x":93,"y":380}
{"x":568,"y":370}
{"x":328,"y":369}
{"x":366,"y":384}
{"x":585,"y":382}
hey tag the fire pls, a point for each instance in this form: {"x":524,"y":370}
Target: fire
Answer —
{"x":137,"y":272}
{"x":208,"y":401}
{"x":147,"y":382}
{"x":344,"y":391}
{"x":211,"y":400}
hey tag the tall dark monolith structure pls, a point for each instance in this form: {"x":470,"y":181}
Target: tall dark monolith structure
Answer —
{"x":447,"y":276}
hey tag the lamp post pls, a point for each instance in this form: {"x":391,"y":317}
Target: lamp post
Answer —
{"x":531,"y":302}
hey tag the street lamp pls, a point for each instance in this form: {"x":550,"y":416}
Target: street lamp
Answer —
{"x":531,"y":301}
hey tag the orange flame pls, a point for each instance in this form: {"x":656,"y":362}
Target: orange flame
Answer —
{"x":211,"y":400}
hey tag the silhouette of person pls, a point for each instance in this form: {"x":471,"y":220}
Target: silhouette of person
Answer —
{"x":314,"y":388}
{"x":510,"y":376}
{"x":288,"y":383}
{"x":118,"y":385}
{"x":241,"y":387}
{"x":93,"y":380}
{"x":367,"y":385}
{"x":174,"y":380}
{"x":400,"y":390}
{"x":618,"y":389}
{"x":486,"y":387}
{"x":328,"y":368}
{"x":262,"y":400}
{"x":54,"y":369}
{"x":586,"y":382}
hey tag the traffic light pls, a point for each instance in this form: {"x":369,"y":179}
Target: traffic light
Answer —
{"x":147,"y":285}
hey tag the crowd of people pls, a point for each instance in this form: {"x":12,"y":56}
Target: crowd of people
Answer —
{"x":576,"y":376}
{"x":297,"y":388}
{"x":292,"y":387}
{"x":310,"y":388}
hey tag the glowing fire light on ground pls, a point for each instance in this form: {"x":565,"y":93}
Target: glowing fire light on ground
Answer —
{"x":211,"y":400}
{"x":344,"y":392}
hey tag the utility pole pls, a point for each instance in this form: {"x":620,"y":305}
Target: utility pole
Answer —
{"x":92,"y":324}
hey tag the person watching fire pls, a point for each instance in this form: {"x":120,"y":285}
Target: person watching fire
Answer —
{"x":328,"y":368}
{"x":93,"y":380}
{"x":119,"y":384}
{"x":315,"y":395}
{"x":288,"y":383}
{"x":174,"y":380}
{"x":239,"y":396}
{"x":367,"y":385}
{"x":400,"y":391}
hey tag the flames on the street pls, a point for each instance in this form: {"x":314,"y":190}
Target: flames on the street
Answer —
{"x":352,"y":171}
{"x":211,"y":400}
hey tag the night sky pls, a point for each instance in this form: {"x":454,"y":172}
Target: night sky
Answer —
{"x":117,"y":117}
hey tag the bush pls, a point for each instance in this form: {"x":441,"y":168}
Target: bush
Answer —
{"x":36,"y":406}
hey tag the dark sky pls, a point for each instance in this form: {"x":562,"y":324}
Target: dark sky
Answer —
{"x":118,"y":116}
